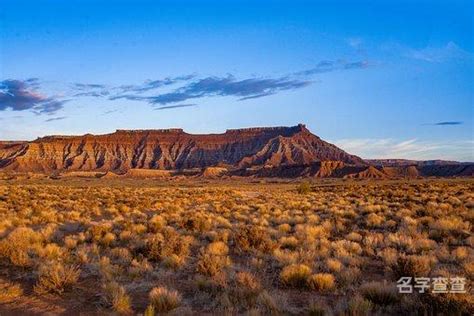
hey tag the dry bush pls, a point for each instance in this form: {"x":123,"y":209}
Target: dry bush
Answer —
{"x":358,"y":306}
{"x":447,"y":304}
{"x":321,"y":282}
{"x":16,"y":246}
{"x":9,"y":292}
{"x":380,"y":293}
{"x":245,"y":289}
{"x":412,"y":266}
{"x":253,"y":237}
{"x":333,"y":265}
{"x":304,"y":188}
{"x":295,"y":275}
{"x":197,"y":223}
{"x":167,"y":243}
{"x":164,"y":300}
{"x":115,"y":296}
{"x":213,"y":259}
{"x":56,"y":277}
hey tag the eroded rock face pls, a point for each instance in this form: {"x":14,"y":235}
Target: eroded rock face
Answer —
{"x":256,"y":152}
{"x":172,"y":149}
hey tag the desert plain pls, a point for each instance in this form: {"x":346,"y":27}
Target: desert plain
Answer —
{"x":95,"y":246}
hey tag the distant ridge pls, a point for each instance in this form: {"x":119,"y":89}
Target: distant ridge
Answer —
{"x":257,"y":152}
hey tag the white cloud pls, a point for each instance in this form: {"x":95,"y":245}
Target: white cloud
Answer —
{"x":431,"y":54}
{"x":439,"y":54}
{"x":408,"y":149}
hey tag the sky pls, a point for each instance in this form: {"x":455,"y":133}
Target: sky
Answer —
{"x":380,"y":79}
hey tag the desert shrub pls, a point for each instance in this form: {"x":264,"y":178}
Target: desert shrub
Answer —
{"x":321,"y":282}
{"x":447,"y":304}
{"x":284,"y":228}
{"x":268,"y":304}
{"x":166,"y":244}
{"x":9,"y":292}
{"x":349,"y":276}
{"x":197,"y":223}
{"x":295,"y":275}
{"x":312,"y":232}
{"x":115,"y":296}
{"x":358,"y":306}
{"x":56,"y":277}
{"x":316,"y":309}
{"x":374,"y":220}
{"x":380,"y":293}
{"x":253,"y":237}
{"x":217,"y":248}
{"x":149,"y":311}
{"x":333,"y":265}
{"x":138,"y":268}
{"x":353,"y":236}
{"x":17,"y":245}
{"x":245,"y":289}
{"x":156,"y":223}
{"x":304,"y":188}
{"x":213,"y":258}
{"x":107,"y":239}
{"x":451,"y":226}
{"x":288,"y":242}
{"x":164,"y":300}
{"x":412,"y":266}
{"x":460,"y":254}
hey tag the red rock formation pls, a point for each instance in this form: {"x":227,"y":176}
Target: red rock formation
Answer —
{"x":172,"y":149}
{"x":259,"y":152}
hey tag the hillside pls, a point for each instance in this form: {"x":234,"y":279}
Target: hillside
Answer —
{"x":257,"y":152}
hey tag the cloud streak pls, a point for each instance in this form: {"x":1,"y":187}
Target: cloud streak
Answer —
{"x":194,"y":87}
{"x":448,"y":123}
{"x":408,"y":149}
{"x":19,"y":95}
{"x":222,"y":86}
{"x":330,"y":65}
{"x":56,"y":119}
{"x":175,"y":106}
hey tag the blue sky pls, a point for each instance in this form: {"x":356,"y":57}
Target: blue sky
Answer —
{"x":381,"y":79}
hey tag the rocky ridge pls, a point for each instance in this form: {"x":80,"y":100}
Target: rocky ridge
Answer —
{"x":256,"y":152}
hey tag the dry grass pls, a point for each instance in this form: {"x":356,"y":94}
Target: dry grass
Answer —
{"x":234,"y":249}
{"x":164,"y":300}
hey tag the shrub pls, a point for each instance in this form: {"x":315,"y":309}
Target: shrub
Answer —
{"x":295,"y":275}
{"x":217,"y":248}
{"x":316,"y":309}
{"x":380,"y":293}
{"x":447,"y":304}
{"x":210,"y":264}
{"x":15,"y":247}
{"x":304,"y":188}
{"x":164,"y":300}
{"x":359,"y":306}
{"x":333,"y":265}
{"x":157,"y":223}
{"x":56,"y":277}
{"x":167,"y":243}
{"x":321,"y":282}
{"x":197,"y":223}
{"x":245,"y":289}
{"x":9,"y":292}
{"x":267,"y":303}
{"x":253,"y":237}
{"x":116,"y":297}
{"x":412,"y":266}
